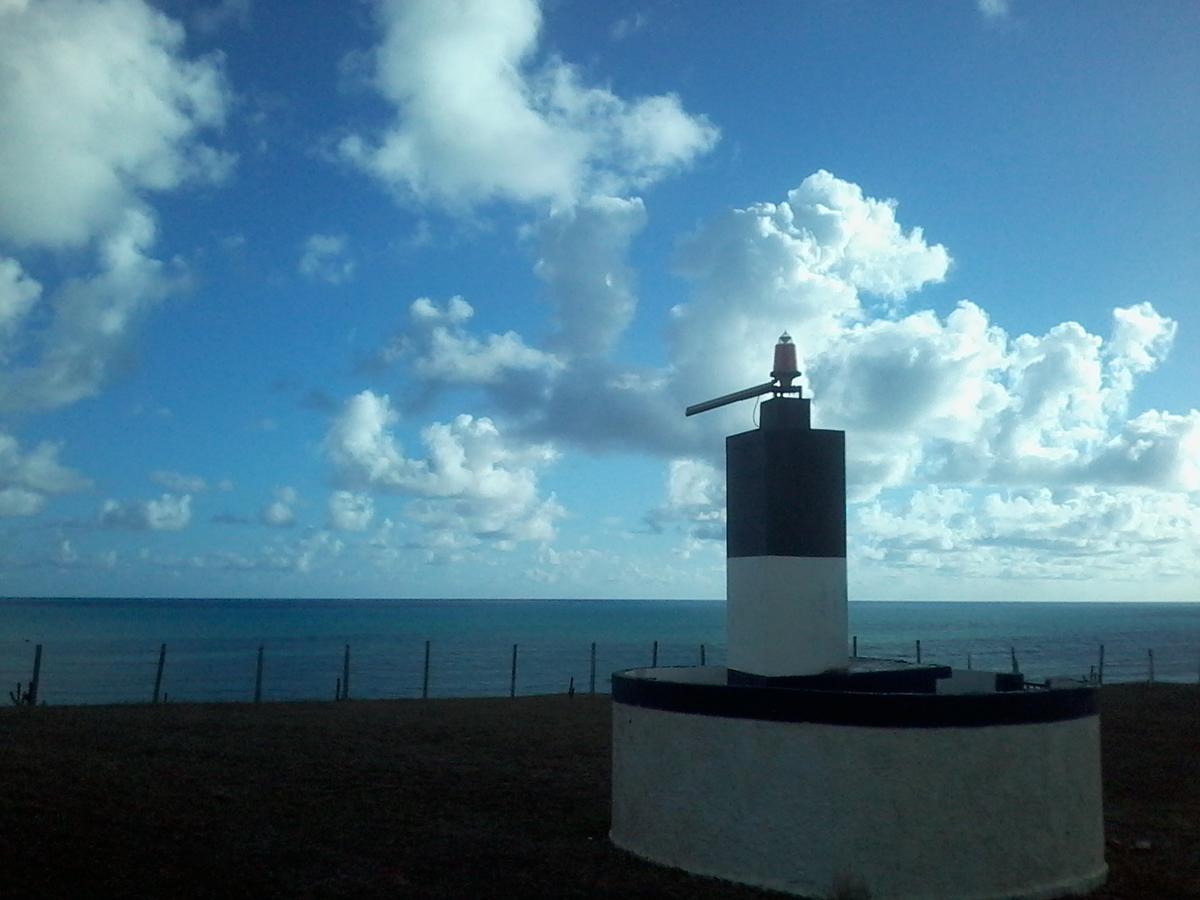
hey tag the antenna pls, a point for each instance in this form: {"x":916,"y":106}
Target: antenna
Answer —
{"x":784,"y":373}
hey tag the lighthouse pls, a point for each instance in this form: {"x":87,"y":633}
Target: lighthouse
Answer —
{"x":785,"y":534}
{"x":786,"y":538}
{"x":796,"y":768}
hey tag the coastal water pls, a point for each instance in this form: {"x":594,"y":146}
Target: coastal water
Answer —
{"x":106,"y":650}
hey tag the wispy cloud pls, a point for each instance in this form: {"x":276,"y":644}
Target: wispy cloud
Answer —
{"x":994,"y":9}
{"x":325,"y":258}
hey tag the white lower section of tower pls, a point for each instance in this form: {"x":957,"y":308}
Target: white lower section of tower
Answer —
{"x":786,"y":615}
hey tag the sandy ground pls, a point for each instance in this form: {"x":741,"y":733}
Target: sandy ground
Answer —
{"x":439,"y":798}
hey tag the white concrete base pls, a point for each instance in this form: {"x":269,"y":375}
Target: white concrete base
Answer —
{"x":1001,"y":811}
{"x":786,"y":615}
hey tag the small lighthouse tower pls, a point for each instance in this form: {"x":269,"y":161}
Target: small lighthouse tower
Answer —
{"x":786,"y":538}
{"x":786,"y":534}
{"x":796,"y":768}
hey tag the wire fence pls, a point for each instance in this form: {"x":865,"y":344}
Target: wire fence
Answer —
{"x":411,"y":669}
{"x":197,"y":671}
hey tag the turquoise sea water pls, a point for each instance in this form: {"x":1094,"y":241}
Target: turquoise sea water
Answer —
{"x":105,"y":650}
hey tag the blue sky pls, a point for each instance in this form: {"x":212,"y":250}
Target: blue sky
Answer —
{"x":406,"y":299}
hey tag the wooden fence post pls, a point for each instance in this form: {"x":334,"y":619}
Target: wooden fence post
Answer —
{"x":162,"y":660}
{"x":1150,"y":654}
{"x":1100,"y":669}
{"x":918,"y":651}
{"x":258,"y":676}
{"x":37,"y":675}
{"x":654,"y":655}
{"x":968,"y":660}
{"x":512,"y":683}
{"x":703,"y":661}
{"x":346,"y":674}
{"x":592,"y":677}
{"x":854,"y":646}
{"x":425,"y":679}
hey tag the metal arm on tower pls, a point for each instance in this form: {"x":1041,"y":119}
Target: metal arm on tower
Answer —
{"x":784,"y":373}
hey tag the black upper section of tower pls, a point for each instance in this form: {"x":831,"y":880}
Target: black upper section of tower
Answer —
{"x":786,"y":486}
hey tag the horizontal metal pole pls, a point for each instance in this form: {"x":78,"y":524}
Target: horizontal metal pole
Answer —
{"x":730,"y":398}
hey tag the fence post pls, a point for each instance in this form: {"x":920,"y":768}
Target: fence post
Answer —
{"x":571,"y":687}
{"x":918,"y":651}
{"x":162,"y":660}
{"x":425,"y":679}
{"x":592,"y":678}
{"x":258,"y":676}
{"x":654,"y":656}
{"x":968,"y":660}
{"x":1150,"y":653}
{"x":346,"y":674}
{"x":512,"y":684}
{"x":37,"y":675}
{"x":703,"y":661}
{"x":1100,"y":670}
{"x":854,"y":646}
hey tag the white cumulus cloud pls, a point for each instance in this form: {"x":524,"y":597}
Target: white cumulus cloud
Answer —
{"x":349,"y":511}
{"x":98,"y":108}
{"x":695,"y":500}
{"x":802,"y":264}
{"x":28,"y":477}
{"x":473,"y":483}
{"x":805,"y":264}
{"x":1155,"y":449}
{"x":94,"y":322}
{"x":481,"y":116}
{"x":926,"y":398}
{"x":1068,"y":533}
{"x":18,"y":294}
{"x":281,"y":512}
{"x":582,"y":259}
{"x":126,"y":119}
{"x":168,"y":512}
{"x":449,"y":354}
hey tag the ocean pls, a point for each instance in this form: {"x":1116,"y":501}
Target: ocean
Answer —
{"x":107,"y":650}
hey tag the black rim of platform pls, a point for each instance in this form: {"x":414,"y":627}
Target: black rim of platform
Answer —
{"x":873,"y":710}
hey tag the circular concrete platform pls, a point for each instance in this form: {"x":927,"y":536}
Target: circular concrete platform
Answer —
{"x":986,"y":794}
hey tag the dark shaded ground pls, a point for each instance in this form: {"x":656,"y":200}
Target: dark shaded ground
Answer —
{"x":439,"y":798}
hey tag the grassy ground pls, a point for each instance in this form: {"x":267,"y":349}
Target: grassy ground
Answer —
{"x":440,"y":798}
